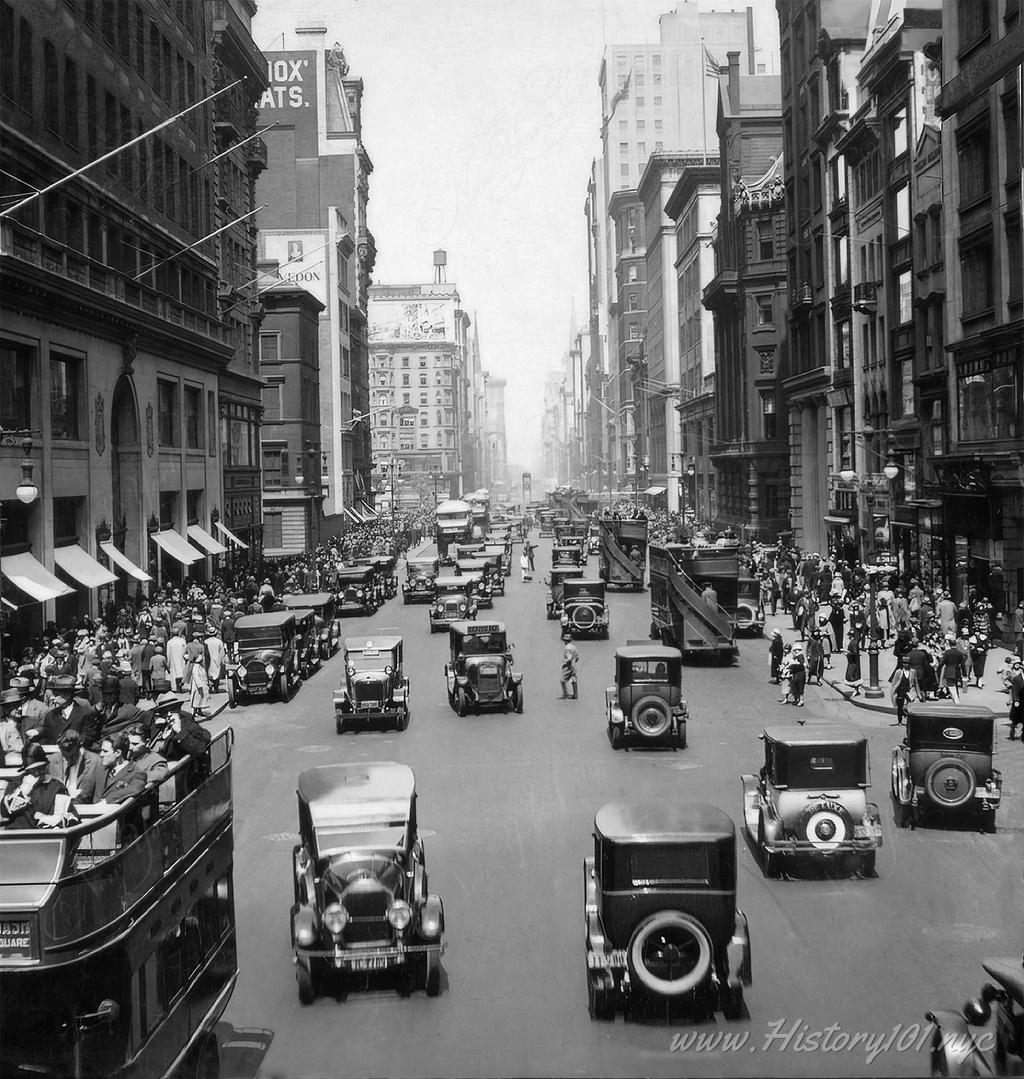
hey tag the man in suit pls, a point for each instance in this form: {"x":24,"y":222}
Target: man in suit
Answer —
{"x":904,"y":682}
{"x":80,"y":770}
{"x":71,"y":713}
{"x":124,"y":778}
{"x":1016,"y":687}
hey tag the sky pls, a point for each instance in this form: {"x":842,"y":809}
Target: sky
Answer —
{"x":482,"y":118}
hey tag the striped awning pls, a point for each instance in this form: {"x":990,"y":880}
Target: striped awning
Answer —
{"x":76,"y":562}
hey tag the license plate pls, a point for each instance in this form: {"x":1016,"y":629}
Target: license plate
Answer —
{"x":16,"y":938}
{"x":371,"y":962}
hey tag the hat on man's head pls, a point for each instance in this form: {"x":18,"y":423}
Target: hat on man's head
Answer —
{"x":10,"y":697}
{"x":23,"y":685}
{"x":63,"y":683}
{"x":168,"y":702}
{"x":33,"y":758}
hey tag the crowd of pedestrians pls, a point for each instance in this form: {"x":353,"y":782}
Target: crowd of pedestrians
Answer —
{"x":122,"y":695}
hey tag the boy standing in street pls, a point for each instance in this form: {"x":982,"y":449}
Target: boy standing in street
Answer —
{"x":570,"y":659}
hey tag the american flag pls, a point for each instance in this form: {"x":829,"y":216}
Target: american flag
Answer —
{"x":712,"y":68}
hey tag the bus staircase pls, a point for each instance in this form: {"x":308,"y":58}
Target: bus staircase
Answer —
{"x":703,"y":627}
{"x":614,"y":553}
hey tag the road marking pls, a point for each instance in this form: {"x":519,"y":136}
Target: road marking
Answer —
{"x":281,"y":837}
{"x":313,"y":749}
{"x":960,"y":932}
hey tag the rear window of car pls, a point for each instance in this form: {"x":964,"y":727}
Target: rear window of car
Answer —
{"x":475,"y":644}
{"x":664,"y":867}
{"x":649,"y":670}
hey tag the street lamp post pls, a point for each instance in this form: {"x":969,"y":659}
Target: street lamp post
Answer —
{"x":873,"y":690}
{"x":27,"y":493}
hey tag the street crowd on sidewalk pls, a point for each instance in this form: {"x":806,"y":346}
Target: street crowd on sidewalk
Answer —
{"x":122,"y":694}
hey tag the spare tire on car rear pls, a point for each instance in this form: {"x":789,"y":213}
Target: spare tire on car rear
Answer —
{"x":670,"y":953}
{"x":583,"y":617}
{"x":651,"y":717}
{"x":950,"y":782}
{"x":824,"y":825}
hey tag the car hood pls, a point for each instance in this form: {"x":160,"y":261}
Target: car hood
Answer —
{"x":261,"y":655}
{"x":364,"y":881}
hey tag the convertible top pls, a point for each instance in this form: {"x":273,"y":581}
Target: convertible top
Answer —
{"x":656,"y":822}
{"x":376,"y":786}
{"x":452,"y":581}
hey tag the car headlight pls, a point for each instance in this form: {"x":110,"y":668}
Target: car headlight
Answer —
{"x":399,"y":914}
{"x":359,"y":594}
{"x":304,"y":936}
{"x":439,"y":609}
{"x":241,"y":674}
{"x":335,"y":918}
{"x":270,"y":670}
{"x":462,"y":606}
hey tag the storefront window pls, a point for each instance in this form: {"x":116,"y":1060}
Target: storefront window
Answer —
{"x":988,"y":399}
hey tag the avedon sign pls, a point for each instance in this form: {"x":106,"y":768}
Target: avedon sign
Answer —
{"x":286,"y":90}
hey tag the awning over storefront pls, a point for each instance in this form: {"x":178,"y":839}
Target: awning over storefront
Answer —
{"x":832,"y":519}
{"x":175,"y":544}
{"x":358,"y":520}
{"x":31,"y":576}
{"x":204,"y":540}
{"x":655,"y":491}
{"x":119,"y":558}
{"x":229,"y":535}
{"x":370,"y":513}
{"x":76,"y":562}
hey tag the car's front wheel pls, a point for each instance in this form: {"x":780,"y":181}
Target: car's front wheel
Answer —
{"x":615,"y":736}
{"x":517,"y":699}
{"x":284,"y":687}
{"x":461,"y":703}
{"x":403,"y":719}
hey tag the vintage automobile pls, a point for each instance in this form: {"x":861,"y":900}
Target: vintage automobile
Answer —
{"x":664,"y":936}
{"x":547,"y":522}
{"x":356,"y":587}
{"x":749,"y":617}
{"x":374,"y":689}
{"x":385,"y":566}
{"x":646,"y":703}
{"x":322,"y":603}
{"x":809,"y":801}
{"x":465,"y":550}
{"x":362,"y":905}
{"x":594,"y":539}
{"x":567,"y":554}
{"x":263,"y":661}
{"x":480,"y":673}
{"x":555,"y":582}
{"x":477,"y":569}
{"x":420,"y":572}
{"x":503,"y":552}
{"x":986,"y":1037}
{"x":944,"y":765}
{"x":584,"y":608}
{"x":382,"y":579}
{"x":307,"y":641}
{"x":452,"y":602}
{"x":496,"y":569}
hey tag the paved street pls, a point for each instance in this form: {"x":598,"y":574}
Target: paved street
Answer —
{"x":506,"y":805}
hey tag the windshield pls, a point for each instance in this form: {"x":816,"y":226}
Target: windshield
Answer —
{"x":748,"y":591}
{"x":451,"y":589}
{"x":255,"y":638}
{"x":479,"y":644}
{"x":371,"y":660}
{"x":346,"y":869}
{"x":372,"y":836}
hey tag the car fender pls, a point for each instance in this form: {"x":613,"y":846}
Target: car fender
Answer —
{"x":430,"y":914}
{"x":517,"y":678}
{"x":304,"y":919}
{"x":953,"y":1049}
{"x":341,"y":698}
{"x":902,"y":784}
{"x":737,"y":953}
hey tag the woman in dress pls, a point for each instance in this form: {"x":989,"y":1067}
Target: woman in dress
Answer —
{"x":853,"y":675}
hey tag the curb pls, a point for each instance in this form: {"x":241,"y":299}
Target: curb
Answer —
{"x":848,"y":696}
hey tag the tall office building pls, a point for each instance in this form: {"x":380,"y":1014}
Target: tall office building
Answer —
{"x":314,"y":194}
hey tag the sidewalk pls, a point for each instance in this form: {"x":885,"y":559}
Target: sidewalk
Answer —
{"x":990,"y":696}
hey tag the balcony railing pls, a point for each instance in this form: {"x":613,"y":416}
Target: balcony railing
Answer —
{"x":62,"y":261}
{"x":865,"y":297}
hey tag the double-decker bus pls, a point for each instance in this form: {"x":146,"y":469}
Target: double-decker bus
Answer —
{"x":117,"y":934}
